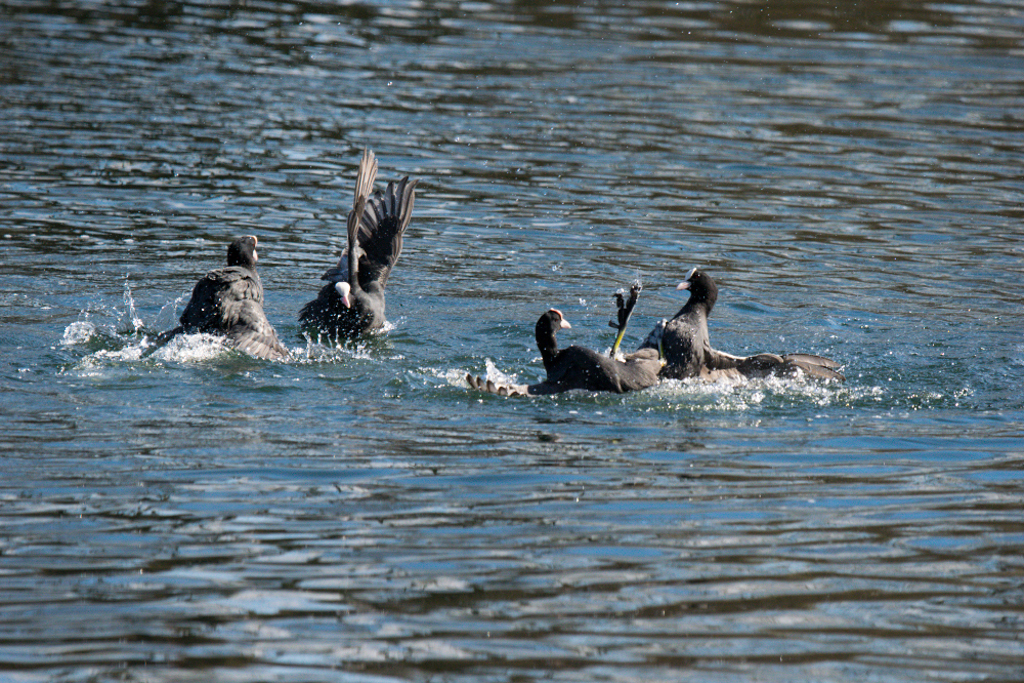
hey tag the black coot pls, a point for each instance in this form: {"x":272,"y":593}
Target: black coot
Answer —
{"x":686,"y":347}
{"x":352,"y":301}
{"x":229,"y":302}
{"x":577,"y":367}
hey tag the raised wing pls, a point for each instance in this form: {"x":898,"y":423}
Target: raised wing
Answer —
{"x":381,"y":229}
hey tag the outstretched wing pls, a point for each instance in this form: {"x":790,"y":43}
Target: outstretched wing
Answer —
{"x":365,"y":179}
{"x":383,"y":224}
{"x":770,"y":364}
{"x":815,"y":366}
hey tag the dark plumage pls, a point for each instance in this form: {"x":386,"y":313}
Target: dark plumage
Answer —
{"x":578,"y":368}
{"x":352,"y":301}
{"x":686,"y":347}
{"x":229,"y":302}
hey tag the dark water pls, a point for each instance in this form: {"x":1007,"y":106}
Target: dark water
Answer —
{"x":851,"y":173}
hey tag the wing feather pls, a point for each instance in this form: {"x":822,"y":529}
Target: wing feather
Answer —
{"x":385,"y":219}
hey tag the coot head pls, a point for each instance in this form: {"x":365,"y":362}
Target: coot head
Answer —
{"x":242,"y":252}
{"x":702,"y":288}
{"x":552,"y":321}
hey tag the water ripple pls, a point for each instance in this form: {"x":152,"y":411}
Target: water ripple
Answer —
{"x":849,"y":174}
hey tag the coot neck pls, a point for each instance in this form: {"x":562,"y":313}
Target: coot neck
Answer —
{"x":547,"y":343}
{"x":701,"y":302}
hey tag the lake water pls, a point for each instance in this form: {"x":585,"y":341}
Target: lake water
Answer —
{"x":850,"y":173}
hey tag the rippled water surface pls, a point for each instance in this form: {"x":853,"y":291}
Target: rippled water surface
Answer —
{"x":851,"y":175}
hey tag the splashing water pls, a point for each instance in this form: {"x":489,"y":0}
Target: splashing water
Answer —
{"x":78,"y":333}
{"x":191,"y":348}
{"x":130,"y":322}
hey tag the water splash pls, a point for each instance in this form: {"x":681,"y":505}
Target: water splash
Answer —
{"x":322,"y":349}
{"x":131,"y":352}
{"x":191,"y":348}
{"x":78,"y":333}
{"x":129,"y":321}
{"x":492,"y":373}
{"x":738,"y":395}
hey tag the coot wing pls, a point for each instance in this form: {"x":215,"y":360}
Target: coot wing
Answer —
{"x":381,"y":229}
{"x":229,"y":301}
{"x":253,"y":333}
{"x":210,"y":308}
{"x":769,"y":364}
{"x":815,"y":366}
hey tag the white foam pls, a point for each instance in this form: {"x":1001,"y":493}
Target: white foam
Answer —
{"x":492,"y":373}
{"x":128,"y":353}
{"x":738,"y":394}
{"x":453,"y":377}
{"x":78,"y":332}
{"x":189,"y":348}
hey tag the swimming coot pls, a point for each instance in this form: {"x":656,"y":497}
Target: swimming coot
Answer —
{"x":577,"y":367}
{"x":229,"y":302}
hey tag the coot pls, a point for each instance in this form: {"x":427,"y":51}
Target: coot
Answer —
{"x":684,"y":343}
{"x":229,"y":302}
{"x":352,"y":301}
{"x":577,"y":367}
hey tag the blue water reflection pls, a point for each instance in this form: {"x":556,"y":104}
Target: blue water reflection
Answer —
{"x":848,"y":173}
